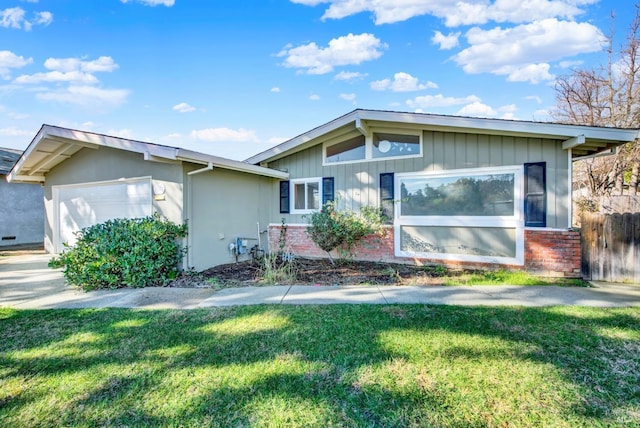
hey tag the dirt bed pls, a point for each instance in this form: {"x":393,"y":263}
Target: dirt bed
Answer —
{"x":318,"y":272}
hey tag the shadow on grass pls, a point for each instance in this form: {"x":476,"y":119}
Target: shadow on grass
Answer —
{"x":397,"y":365}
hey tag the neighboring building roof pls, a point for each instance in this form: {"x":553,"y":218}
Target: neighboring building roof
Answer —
{"x":53,"y":145}
{"x":8,"y":158}
{"x":583,"y":140}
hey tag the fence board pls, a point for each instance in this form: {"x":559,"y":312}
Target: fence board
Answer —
{"x":611,"y":247}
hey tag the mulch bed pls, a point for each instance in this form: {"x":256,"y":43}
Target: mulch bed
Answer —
{"x":318,"y":272}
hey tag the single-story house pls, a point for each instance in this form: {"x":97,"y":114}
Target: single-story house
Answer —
{"x":89,"y":178}
{"x":21,"y":211}
{"x":457,"y":190}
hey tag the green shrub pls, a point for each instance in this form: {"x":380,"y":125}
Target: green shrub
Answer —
{"x":330,"y":229}
{"x":124,"y":253}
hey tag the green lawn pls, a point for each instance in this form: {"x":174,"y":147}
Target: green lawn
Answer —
{"x":339,"y":365}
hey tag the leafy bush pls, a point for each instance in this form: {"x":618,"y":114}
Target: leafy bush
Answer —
{"x":124,"y":253}
{"x":330,"y":229}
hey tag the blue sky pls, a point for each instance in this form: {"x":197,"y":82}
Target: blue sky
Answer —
{"x":234,"y":77}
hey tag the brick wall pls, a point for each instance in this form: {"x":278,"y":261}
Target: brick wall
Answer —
{"x":553,"y":252}
{"x":547,"y":252}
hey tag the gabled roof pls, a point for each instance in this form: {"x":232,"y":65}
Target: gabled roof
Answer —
{"x":53,"y":145}
{"x":583,"y":140}
{"x":8,"y":158}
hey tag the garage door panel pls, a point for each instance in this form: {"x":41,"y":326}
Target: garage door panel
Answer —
{"x":83,"y":206}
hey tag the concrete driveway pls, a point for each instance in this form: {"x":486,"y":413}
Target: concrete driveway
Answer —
{"x":26,"y":282}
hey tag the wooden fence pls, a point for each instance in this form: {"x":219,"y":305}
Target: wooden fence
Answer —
{"x":611,"y":247}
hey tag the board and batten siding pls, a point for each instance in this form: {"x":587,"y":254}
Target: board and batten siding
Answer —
{"x":357,"y":184}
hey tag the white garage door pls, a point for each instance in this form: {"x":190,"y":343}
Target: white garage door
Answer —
{"x":80,"y":206}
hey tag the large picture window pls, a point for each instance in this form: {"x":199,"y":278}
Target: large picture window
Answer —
{"x":469,"y":195}
{"x":468,"y":215}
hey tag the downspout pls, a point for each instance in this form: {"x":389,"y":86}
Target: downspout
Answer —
{"x":189,"y":204}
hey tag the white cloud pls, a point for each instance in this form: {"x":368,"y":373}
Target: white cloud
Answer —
{"x":183,"y":108}
{"x":402,"y":82}
{"x":16,"y":17}
{"x":314,"y":97}
{"x":102,"y":64}
{"x":167,"y":3}
{"x":430,"y":101}
{"x":12,"y":131}
{"x":477,"y":109}
{"x":9,"y":60}
{"x":570,"y":64}
{"x":72,"y":70}
{"x":534,"y":73}
{"x":225,"y":135}
{"x":44,"y":18}
{"x":535,"y":98}
{"x":86,"y":96}
{"x":276,"y":140}
{"x":447,"y":42}
{"x":83,"y":87}
{"x":348,"y":97}
{"x":57,"y":76}
{"x":275,"y":89}
{"x":350,"y":76}
{"x":346,"y":50}
{"x":509,"y":108}
{"x":453,"y":12}
{"x":523,"y":52}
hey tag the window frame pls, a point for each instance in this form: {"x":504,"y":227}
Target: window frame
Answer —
{"x":292,"y":193}
{"x":515,"y":221}
{"x":368,"y":144}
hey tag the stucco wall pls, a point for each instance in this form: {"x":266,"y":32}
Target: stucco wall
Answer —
{"x":225,"y":205}
{"x":105,"y":164}
{"x":21,"y":213}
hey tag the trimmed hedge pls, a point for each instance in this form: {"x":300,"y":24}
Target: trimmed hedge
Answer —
{"x":122,"y":253}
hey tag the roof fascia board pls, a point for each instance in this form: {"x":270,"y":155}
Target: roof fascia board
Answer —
{"x":303,"y":138}
{"x":25,"y":178}
{"x":543,"y":129}
{"x":453,"y":123}
{"x":80,"y":137}
{"x":218,"y":162}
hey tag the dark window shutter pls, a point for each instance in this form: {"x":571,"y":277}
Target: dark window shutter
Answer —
{"x":327,"y":190}
{"x":284,"y":198}
{"x":535,"y":194}
{"x":386,"y":195}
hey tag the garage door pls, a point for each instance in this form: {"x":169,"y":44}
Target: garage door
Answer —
{"x":80,"y":206}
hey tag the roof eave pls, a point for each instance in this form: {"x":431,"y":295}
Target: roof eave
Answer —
{"x":612,"y":136}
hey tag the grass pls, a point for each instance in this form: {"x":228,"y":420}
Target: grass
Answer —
{"x":317,"y":366}
{"x":503,"y":277}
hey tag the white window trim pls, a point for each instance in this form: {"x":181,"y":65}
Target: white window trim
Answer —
{"x":368,"y":148}
{"x":292,"y":194}
{"x":508,"y":222}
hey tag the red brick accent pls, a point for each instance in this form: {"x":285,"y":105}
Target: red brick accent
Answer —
{"x":552,"y":252}
{"x":547,"y":252}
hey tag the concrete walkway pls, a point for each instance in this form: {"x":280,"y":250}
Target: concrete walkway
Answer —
{"x":27,"y":283}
